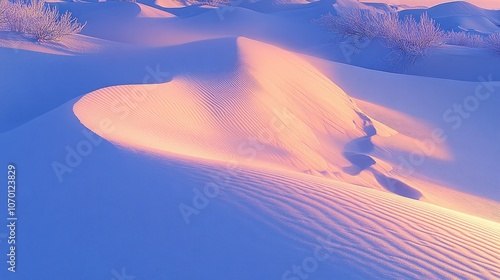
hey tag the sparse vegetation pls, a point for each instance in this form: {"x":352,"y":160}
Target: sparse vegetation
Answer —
{"x":494,"y":42}
{"x":491,"y":42}
{"x":408,"y":39}
{"x":36,"y":20}
{"x":3,"y":12}
{"x":465,"y":39}
{"x":356,"y":22}
{"x":212,"y":3}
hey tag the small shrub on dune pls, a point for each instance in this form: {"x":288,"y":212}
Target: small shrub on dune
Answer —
{"x":355,"y":22}
{"x":494,"y":42}
{"x":3,"y":9}
{"x":211,"y":3}
{"x":408,"y":39}
{"x":18,"y":16}
{"x":349,"y":23}
{"x":465,"y":39}
{"x":39,"y":21}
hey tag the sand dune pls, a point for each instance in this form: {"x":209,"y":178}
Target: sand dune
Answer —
{"x":273,"y":217}
{"x":182,"y":141}
{"x":270,"y":108}
{"x":273,"y":109}
{"x":272,"y":97}
{"x":460,"y":16}
{"x":395,"y":238}
{"x":411,"y":4}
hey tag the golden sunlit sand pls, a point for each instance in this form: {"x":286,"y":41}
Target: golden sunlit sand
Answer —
{"x":212,"y":140}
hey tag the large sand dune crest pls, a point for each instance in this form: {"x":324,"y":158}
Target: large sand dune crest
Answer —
{"x":200,"y":139}
{"x":272,"y":101}
{"x":266,"y":107}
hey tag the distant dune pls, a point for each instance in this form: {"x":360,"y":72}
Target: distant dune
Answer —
{"x":488,"y":4}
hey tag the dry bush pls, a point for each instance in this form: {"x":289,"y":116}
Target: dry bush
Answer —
{"x":494,"y":42}
{"x":465,"y":39}
{"x":408,"y":39}
{"x":39,"y":21}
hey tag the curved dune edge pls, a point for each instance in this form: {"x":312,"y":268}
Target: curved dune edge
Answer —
{"x":272,"y":110}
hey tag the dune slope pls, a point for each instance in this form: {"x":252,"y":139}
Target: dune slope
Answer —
{"x":268,"y":107}
{"x":272,"y":101}
{"x":171,"y":141}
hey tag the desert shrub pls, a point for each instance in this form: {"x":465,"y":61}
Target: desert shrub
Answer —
{"x":494,"y":42}
{"x":212,"y":3}
{"x":3,"y":9}
{"x":19,"y":16}
{"x":465,"y":39}
{"x":408,"y":39}
{"x":37,"y":20}
{"x":353,"y":21}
